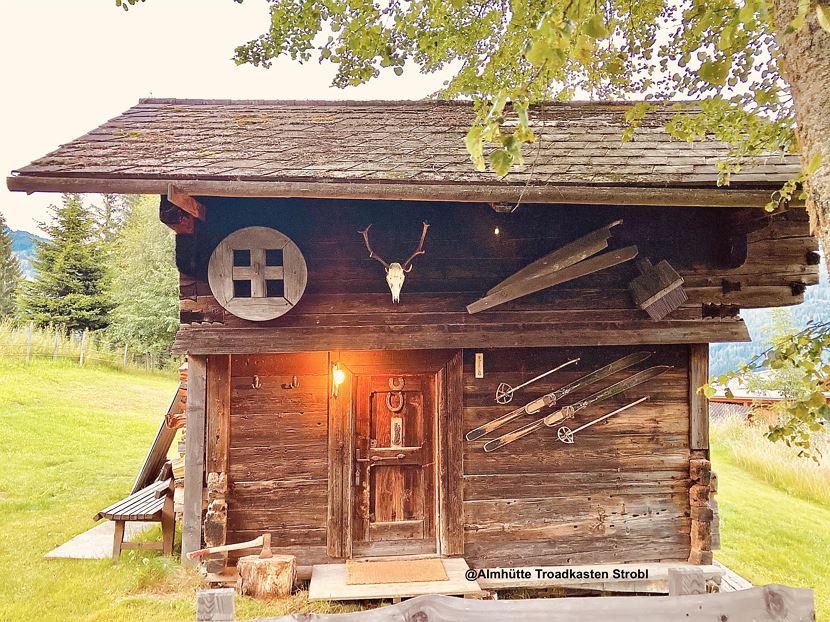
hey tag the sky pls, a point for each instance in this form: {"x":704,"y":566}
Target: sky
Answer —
{"x":70,"y":65}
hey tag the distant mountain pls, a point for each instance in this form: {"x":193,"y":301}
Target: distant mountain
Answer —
{"x":23,"y":247}
{"x":816,"y":307}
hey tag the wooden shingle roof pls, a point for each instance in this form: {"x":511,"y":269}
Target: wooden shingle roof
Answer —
{"x":394,"y":150}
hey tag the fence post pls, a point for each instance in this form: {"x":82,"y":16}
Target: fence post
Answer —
{"x":124,"y":358}
{"x":55,"y":349}
{"x":29,"y":329}
{"x":83,"y":346}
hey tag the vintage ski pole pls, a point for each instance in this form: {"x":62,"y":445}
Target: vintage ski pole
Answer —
{"x":569,"y":411}
{"x":566,"y":435}
{"x":504,"y":392}
{"x":550,"y":399}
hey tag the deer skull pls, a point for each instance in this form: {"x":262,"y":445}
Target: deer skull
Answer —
{"x":395,"y":275}
{"x":396,"y":272}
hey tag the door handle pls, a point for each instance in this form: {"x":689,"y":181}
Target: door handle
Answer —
{"x":379,"y":458}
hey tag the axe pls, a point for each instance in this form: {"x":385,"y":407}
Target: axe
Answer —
{"x":264,"y":541}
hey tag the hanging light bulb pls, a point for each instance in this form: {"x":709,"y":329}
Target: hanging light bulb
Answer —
{"x":338,"y":377}
{"x":496,"y":231}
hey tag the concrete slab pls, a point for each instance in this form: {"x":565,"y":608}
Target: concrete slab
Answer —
{"x":95,"y":543}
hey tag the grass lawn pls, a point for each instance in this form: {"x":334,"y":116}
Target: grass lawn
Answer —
{"x":73,"y":441}
{"x":769,"y":536}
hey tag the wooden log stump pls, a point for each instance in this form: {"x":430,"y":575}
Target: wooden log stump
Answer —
{"x":271,"y":577}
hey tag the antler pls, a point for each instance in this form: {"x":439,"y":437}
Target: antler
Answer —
{"x":407,"y":266}
{"x":372,"y":254}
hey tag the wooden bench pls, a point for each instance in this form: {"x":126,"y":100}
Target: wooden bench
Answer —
{"x":151,"y":504}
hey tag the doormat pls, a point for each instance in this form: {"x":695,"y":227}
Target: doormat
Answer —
{"x":397,"y":571}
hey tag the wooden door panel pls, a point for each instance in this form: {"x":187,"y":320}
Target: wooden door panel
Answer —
{"x":395,"y":452}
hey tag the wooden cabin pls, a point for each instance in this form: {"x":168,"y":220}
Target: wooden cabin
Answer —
{"x":331,"y":417}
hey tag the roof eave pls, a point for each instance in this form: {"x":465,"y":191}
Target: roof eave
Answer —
{"x":408,"y":191}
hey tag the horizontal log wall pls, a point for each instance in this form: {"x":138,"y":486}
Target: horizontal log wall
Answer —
{"x":620,"y":493}
{"x":730,"y":258}
{"x":278,"y":473}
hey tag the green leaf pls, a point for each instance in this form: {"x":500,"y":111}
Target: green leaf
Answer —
{"x":715,"y":71}
{"x":501,"y":161}
{"x":595,"y":27}
{"x":813,"y":164}
{"x":823,"y":15}
{"x":398,"y":71}
{"x":475,"y":146}
{"x":798,"y":22}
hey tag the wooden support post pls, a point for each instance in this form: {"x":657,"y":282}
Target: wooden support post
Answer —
{"x":194,"y":465}
{"x":698,"y":404}
{"x":83,"y":346}
{"x":124,"y":358}
{"x":55,"y":348}
{"x":338,"y":520}
{"x":29,"y":330}
{"x":451,"y":448}
{"x":215,"y":605}
{"x":168,"y":522}
{"x":713,"y":502}
{"x":700,"y":549}
{"x":118,"y":540}
{"x":218,"y":440}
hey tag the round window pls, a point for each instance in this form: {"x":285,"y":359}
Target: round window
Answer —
{"x":257,"y":273}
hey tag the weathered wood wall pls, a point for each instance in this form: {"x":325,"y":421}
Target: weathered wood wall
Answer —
{"x":730,"y":258}
{"x":278,"y":472}
{"x":620,"y":493}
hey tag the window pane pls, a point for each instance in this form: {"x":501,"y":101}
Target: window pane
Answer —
{"x":273,"y":256}
{"x":242,"y":258}
{"x":274,"y":288}
{"x":241,"y":288}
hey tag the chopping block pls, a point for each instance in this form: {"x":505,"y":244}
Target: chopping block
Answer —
{"x":266,"y":577}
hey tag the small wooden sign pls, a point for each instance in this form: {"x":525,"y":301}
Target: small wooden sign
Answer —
{"x":479,"y":364}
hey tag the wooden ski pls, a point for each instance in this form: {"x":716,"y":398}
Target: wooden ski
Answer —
{"x":568,"y":255}
{"x":550,"y":399}
{"x":569,"y":411}
{"x":523,"y":287}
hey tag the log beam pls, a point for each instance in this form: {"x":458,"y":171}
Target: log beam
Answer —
{"x":218,"y":441}
{"x":184,"y":201}
{"x":194,"y":472}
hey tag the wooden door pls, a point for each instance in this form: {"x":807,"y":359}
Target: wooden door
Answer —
{"x":394,"y":500}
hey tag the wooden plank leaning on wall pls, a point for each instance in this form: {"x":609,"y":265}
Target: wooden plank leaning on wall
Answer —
{"x":194,"y":456}
{"x":700,"y":468}
{"x":216,"y":466}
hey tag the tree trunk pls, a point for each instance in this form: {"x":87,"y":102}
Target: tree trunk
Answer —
{"x":806,"y":67}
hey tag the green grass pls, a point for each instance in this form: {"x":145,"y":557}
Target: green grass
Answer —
{"x":770,"y":534}
{"x":73,"y":439}
{"x":72,"y":443}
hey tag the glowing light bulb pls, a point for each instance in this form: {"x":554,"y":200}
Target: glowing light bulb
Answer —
{"x":338,"y":376}
{"x":496,"y":231}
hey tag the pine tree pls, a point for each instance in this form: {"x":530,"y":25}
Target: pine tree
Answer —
{"x":109,"y":216}
{"x":9,"y":272}
{"x":70,"y":287}
{"x":145,"y":282}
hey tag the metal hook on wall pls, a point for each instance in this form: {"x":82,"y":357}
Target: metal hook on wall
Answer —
{"x":291,"y":385}
{"x":256,"y":384}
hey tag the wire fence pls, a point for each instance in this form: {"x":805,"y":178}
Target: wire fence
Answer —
{"x":27,"y":343}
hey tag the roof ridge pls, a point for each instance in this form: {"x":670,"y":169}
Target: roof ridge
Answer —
{"x":382,"y":102}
